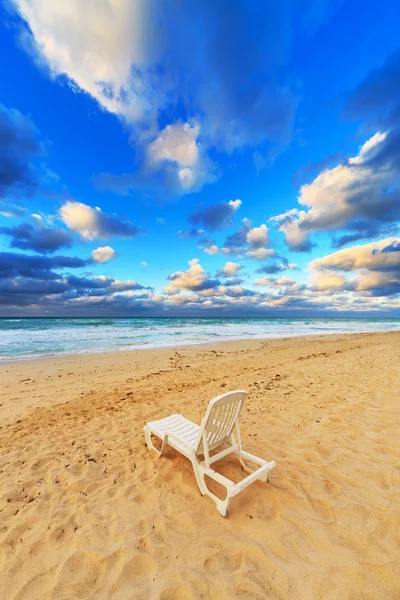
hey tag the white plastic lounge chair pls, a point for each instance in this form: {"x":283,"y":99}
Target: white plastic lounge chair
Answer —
{"x":193,"y":441}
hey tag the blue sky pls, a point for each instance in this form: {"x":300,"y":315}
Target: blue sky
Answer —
{"x":213,"y":158}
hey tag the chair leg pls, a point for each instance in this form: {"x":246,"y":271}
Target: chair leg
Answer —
{"x":222,"y":505}
{"x":199,"y":478}
{"x":147,"y":434}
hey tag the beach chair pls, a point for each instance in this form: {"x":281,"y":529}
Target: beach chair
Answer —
{"x":220,"y":426}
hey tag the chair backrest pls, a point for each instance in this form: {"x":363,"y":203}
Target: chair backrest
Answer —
{"x":220,"y":418}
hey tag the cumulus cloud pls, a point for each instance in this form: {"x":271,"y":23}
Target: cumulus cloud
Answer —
{"x":247,"y":241}
{"x":92,"y":223}
{"x":194,"y":279}
{"x":103,"y":254}
{"x":230,"y":269}
{"x":358,"y":196}
{"x":375,"y":266}
{"x":257,"y":237}
{"x":260,"y":253}
{"x":45,"y":285}
{"x":264,"y":281}
{"x":328,"y":281}
{"x":144,"y":264}
{"x":377,"y":256}
{"x":177,"y":146}
{"x":39,"y":239}
{"x":175,"y":163}
{"x":217,"y":215}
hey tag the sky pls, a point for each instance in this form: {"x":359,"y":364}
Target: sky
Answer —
{"x":214,"y":158}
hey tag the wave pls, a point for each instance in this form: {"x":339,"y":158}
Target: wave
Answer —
{"x":24,"y":339}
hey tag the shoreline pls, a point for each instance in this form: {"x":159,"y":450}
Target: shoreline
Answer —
{"x":75,"y":374}
{"x":41,"y":357}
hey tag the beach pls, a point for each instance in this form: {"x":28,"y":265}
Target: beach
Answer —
{"x":88,"y":512}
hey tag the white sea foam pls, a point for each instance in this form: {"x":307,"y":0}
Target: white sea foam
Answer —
{"x":24,"y":339}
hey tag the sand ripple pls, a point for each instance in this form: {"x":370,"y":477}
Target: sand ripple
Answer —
{"x":88,"y":513}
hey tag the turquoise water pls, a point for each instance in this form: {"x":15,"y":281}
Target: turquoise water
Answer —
{"x":24,"y":339}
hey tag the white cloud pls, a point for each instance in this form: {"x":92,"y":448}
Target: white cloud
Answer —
{"x":350,"y":195}
{"x":257,"y":254}
{"x":260,"y":253}
{"x":194,"y":279}
{"x":92,"y":223}
{"x":95,"y":46}
{"x":125,"y":285}
{"x":177,"y":149}
{"x":144,"y":264}
{"x":264,"y":281}
{"x":230,"y":269}
{"x":236,"y":204}
{"x":327,"y":281}
{"x":375,"y":268}
{"x":247,"y":242}
{"x":382,"y":255}
{"x":176,"y":143}
{"x":141,"y":58}
{"x":103,"y":254}
{"x":258,"y":236}
{"x":212,"y":250}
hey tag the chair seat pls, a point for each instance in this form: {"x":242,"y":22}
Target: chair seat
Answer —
{"x":187,"y":431}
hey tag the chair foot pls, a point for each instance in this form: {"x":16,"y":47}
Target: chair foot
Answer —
{"x":223,"y":508}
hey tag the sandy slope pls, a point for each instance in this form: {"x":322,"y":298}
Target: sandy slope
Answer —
{"x":86,"y":512}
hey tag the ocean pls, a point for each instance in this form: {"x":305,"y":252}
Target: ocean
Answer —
{"x":25,"y":339}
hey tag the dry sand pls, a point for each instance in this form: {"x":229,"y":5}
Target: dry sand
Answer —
{"x":87,"y":512}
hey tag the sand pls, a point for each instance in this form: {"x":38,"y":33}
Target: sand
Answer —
{"x":87,"y":512}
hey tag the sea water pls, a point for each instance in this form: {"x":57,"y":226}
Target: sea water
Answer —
{"x":25,"y":339}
